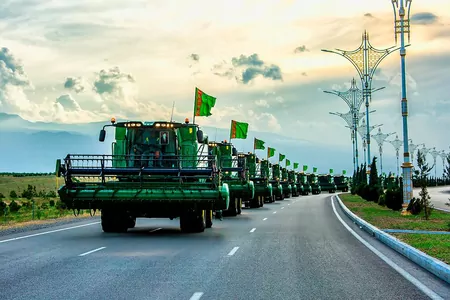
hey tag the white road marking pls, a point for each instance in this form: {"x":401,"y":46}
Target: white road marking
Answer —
{"x":196,"y":296}
{"x":264,"y":219}
{"x":47,"y":232}
{"x":289,"y":204}
{"x":233,"y":251}
{"x":155,"y":229}
{"x":274,"y":212}
{"x":92,"y":251}
{"x":396,"y":267}
{"x":253,"y":230}
{"x":282,"y":207}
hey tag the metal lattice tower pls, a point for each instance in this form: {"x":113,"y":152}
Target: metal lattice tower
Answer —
{"x":397,"y":143}
{"x":380,"y":138}
{"x":365,"y":59}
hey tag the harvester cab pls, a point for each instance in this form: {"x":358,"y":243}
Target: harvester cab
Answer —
{"x":314,"y":182}
{"x":156,"y":170}
{"x":326,"y":182}
{"x":258,"y":171}
{"x":287,"y":188}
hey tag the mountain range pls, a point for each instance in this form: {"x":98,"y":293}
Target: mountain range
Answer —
{"x":27,"y":146}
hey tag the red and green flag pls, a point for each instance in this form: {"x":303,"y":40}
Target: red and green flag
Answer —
{"x":238,"y":130}
{"x":288,"y":162}
{"x":270,"y":152}
{"x":258,"y":144}
{"x":314,"y":169}
{"x":295,"y":165}
{"x":203,"y":103}
{"x":305,"y":167}
{"x":281,"y":157}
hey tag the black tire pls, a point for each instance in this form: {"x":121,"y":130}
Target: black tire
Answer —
{"x":193,"y":221}
{"x":261,"y":201}
{"x":209,"y":217}
{"x":114,"y":222}
{"x":239,"y":206}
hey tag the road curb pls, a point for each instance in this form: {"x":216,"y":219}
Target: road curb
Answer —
{"x":433,"y":265}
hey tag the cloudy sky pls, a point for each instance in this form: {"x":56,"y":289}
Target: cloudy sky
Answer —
{"x":84,"y":60}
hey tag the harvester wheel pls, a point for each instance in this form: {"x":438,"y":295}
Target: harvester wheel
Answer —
{"x":114,"y":222}
{"x":261,"y":201}
{"x":209,"y":217}
{"x":239,"y":206}
{"x":193,"y":221}
{"x":232,"y":208}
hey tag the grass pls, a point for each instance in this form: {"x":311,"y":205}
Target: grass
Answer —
{"x":437,"y":246}
{"x":385,"y":218}
{"x":18,"y":184}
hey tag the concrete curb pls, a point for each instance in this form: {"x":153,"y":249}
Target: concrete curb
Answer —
{"x":433,"y":265}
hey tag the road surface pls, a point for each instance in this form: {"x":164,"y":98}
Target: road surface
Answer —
{"x":293,"y":249}
{"x":439,"y":196}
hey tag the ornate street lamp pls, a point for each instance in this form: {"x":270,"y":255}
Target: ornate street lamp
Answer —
{"x":397,"y":144}
{"x":435,"y":154}
{"x":362,"y":129}
{"x":443,"y":156}
{"x":380,"y":138}
{"x":365,"y":59}
{"x":412,"y":148}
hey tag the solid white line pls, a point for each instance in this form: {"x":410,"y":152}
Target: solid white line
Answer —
{"x":47,"y":232}
{"x":282,"y":207}
{"x":253,"y":230}
{"x":404,"y":273}
{"x":264,"y":219}
{"x":274,"y":212}
{"x":196,"y":296}
{"x":155,"y":229}
{"x":92,"y":251}
{"x":233,"y":251}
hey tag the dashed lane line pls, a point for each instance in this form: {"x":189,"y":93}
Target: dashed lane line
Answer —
{"x":233,"y":251}
{"x":196,"y":296}
{"x":253,"y":230}
{"x":92,"y":251}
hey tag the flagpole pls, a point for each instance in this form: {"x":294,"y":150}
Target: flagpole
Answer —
{"x":231,"y":131}
{"x":254,"y":145}
{"x":195,"y":105}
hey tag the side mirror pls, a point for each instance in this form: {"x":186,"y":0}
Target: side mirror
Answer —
{"x":102,"y":135}
{"x":200,"y":136}
{"x":234,"y":152}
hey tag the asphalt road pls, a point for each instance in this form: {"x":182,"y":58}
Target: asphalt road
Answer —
{"x":439,"y":196}
{"x":291,"y":249}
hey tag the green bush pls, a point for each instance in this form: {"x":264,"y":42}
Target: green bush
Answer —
{"x":382,"y":200}
{"x":52,"y":194}
{"x":3,"y":205}
{"x":52,"y":203}
{"x":13,"y":195}
{"x":2,"y":196}
{"x":414,"y":206}
{"x":14,"y":206}
{"x":394,"y":199}
{"x":27,"y":204}
{"x":44,"y":205}
{"x":60,"y":205}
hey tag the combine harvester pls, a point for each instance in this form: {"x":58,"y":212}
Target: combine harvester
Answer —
{"x":326,"y":182}
{"x":259,"y":175}
{"x":292,"y":178}
{"x":314,"y":183}
{"x":156,"y":170}
{"x":233,"y":167}
{"x":306,"y":187}
{"x":276,"y":182}
{"x":342,"y":183}
{"x":287,"y":188}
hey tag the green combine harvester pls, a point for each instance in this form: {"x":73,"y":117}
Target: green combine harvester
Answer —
{"x":259,"y":175}
{"x":342,"y":183}
{"x":287,"y":188}
{"x":156,"y":170}
{"x":276,"y":182}
{"x":326,"y":182}
{"x":292,"y":179}
{"x":314,"y":183}
{"x":306,"y":187}
{"x":233,"y":167}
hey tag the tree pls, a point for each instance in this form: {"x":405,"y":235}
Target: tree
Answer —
{"x":421,"y":174}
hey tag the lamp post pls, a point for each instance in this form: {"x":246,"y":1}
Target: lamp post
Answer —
{"x":380,"y":138}
{"x":354,"y":99}
{"x":425,"y":151}
{"x":401,"y":27}
{"x":365,"y":59}
{"x":443,"y":156}
{"x":412,"y":148}
{"x":362,"y":129}
{"x":435,"y":154}
{"x":397,"y":144}
{"x":349,"y":118}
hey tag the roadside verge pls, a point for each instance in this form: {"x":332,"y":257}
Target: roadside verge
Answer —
{"x":433,"y":265}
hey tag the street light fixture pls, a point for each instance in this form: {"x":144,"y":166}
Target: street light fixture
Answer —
{"x":362,"y":129}
{"x":365,"y":59}
{"x":380,"y":138}
{"x":412,"y":148}
{"x":443,"y":156}
{"x":397,"y":143}
{"x":401,"y":27}
{"x":435,"y":154}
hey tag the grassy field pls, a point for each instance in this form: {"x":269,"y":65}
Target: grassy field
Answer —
{"x":46,"y":209}
{"x":385,"y":218}
{"x":435,"y":245}
{"x":44,"y":183}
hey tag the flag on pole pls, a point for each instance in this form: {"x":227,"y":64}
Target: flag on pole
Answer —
{"x":203,"y":103}
{"x":238,"y":130}
{"x":270,"y":152}
{"x":258,"y":144}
